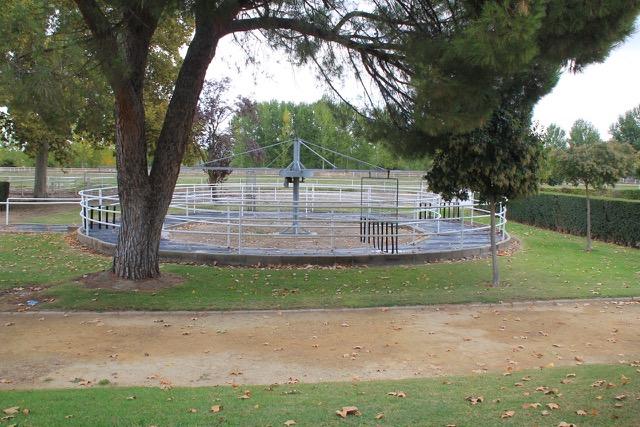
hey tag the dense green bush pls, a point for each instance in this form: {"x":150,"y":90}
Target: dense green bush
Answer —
{"x":615,"y":193}
{"x":612,"y":220}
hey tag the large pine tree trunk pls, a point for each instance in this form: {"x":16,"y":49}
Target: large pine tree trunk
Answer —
{"x":136,"y":255}
{"x":145,"y":196}
{"x":494,"y":250}
{"x":589,"y":244}
{"x":40,"y":181}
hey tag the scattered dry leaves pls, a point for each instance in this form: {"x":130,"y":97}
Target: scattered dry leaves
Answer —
{"x":397,"y":393}
{"x":475,"y":399}
{"x":507,"y":414}
{"x":531,"y":405}
{"x":348,"y":410}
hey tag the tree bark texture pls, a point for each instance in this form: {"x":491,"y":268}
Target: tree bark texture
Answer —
{"x":40,"y":181}
{"x":145,"y":197}
{"x":494,"y":250}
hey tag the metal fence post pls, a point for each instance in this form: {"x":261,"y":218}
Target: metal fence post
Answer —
{"x":240,"y":213}
{"x":186,"y":200}
{"x":461,"y":210}
{"x":228,"y":226}
{"x":333,"y":233}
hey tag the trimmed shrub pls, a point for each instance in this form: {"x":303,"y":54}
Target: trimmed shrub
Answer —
{"x":615,"y":193}
{"x":612,"y":220}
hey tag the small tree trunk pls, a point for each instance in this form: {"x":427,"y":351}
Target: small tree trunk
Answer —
{"x":494,"y":250}
{"x":589,"y":245}
{"x":40,"y":182}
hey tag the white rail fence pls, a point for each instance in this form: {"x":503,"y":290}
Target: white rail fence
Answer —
{"x":239,"y":216}
{"x":35,"y":201}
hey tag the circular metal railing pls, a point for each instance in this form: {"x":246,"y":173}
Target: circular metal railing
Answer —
{"x":331,"y":217}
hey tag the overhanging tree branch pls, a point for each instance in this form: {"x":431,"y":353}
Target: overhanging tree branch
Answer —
{"x":106,"y":44}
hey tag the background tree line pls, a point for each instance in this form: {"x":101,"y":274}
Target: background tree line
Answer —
{"x":254,"y":126}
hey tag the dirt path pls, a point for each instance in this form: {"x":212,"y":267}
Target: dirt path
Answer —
{"x":40,"y":350}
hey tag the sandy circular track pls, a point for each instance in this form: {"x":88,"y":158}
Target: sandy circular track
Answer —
{"x":47,"y":350}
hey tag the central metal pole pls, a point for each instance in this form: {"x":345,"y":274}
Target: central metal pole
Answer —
{"x":295,"y":174}
{"x":296,"y":206}
{"x":296,"y":187}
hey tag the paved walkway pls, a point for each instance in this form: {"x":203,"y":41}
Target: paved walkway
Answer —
{"x":40,"y":349}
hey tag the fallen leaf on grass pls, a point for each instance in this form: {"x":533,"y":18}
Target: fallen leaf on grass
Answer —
{"x":553,"y":405}
{"x":12,"y":410}
{"x":131,"y":398}
{"x":379,"y":416}
{"x":621,"y":397}
{"x":289,"y":423}
{"x":216,"y":408}
{"x":581,"y":412}
{"x":348,"y":410}
{"x":564,"y":424}
{"x":192,"y":410}
{"x":397,"y":393}
{"x":531,"y":405}
{"x":545,"y":413}
{"x":245,"y":395}
{"x":475,"y":399}
{"x":507,"y":414}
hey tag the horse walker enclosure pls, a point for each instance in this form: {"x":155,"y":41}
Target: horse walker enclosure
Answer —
{"x":298,"y":217}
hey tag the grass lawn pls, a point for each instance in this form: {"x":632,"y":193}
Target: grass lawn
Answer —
{"x":43,"y":214}
{"x":428,"y":402}
{"x":549,"y":265}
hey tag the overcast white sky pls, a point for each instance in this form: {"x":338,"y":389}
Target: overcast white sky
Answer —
{"x":599,"y":94}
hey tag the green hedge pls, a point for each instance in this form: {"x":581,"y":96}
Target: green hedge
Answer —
{"x":615,"y":193}
{"x":616,"y":221}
